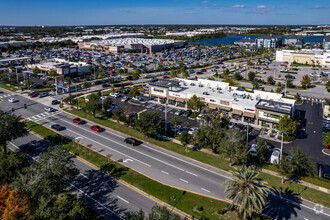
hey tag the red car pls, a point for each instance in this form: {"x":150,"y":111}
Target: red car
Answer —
{"x":198,"y":73}
{"x":203,"y":70}
{"x":78,"y":121}
{"x":36,"y":94}
{"x":327,"y":146}
{"x":283,"y":64}
{"x":96,"y":128}
{"x":165,"y":77}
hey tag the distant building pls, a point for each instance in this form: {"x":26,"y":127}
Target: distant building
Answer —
{"x":295,"y":41}
{"x":326,"y":43}
{"x":246,"y":42}
{"x":270,"y":41}
{"x":15,"y":43}
{"x":303,"y":56}
{"x":62,"y":68}
{"x":133,"y":45}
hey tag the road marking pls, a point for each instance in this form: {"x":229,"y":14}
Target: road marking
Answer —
{"x":122,"y":199}
{"x":192,"y":173}
{"x":164,"y":172}
{"x":184,"y":180}
{"x":127,"y":160}
{"x":84,"y":176}
{"x":159,"y":107}
{"x":206,"y":190}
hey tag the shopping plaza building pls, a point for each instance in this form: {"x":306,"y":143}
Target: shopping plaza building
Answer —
{"x":257,"y":107}
{"x":304,"y":56}
{"x":138,"y":45}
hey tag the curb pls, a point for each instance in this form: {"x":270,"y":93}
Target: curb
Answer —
{"x":323,"y":151}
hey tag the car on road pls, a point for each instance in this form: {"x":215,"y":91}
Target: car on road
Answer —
{"x":131,"y":141}
{"x":55,"y":102}
{"x":178,"y":112}
{"x":34,"y":94}
{"x":78,"y":121}
{"x":96,"y":128}
{"x":12,"y":100}
{"x":275,"y":157}
{"x":50,"y":109}
{"x":57,"y":127}
{"x":187,"y":113}
{"x":115,"y":95}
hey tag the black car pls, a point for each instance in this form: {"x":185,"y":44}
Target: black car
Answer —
{"x":131,"y":141}
{"x":57,"y":127}
{"x":55,"y":102}
{"x":105,"y":85}
{"x":326,"y":128}
{"x":129,"y":78}
{"x":97,"y":82}
{"x":187,"y":113}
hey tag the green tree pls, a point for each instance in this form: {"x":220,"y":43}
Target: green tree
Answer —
{"x":175,"y":124}
{"x":226,"y":72}
{"x":237,"y":76}
{"x":270,"y":80}
{"x":135,"y":215}
{"x":134,"y":92}
{"x":306,"y":81}
{"x":135,"y":76}
{"x":249,"y":63}
{"x":251,"y":76}
{"x":286,"y":124}
{"x":12,"y":127}
{"x":301,"y":163}
{"x":107,"y":103}
{"x":93,"y":104}
{"x":52,"y":73}
{"x":10,"y":165}
{"x":328,"y":86}
{"x":285,"y":168}
{"x":173,"y":73}
{"x":246,"y":190}
{"x":161,"y":213}
{"x":36,"y":71}
{"x":185,"y":139}
{"x":326,"y":139}
{"x":185,"y":74}
{"x":233,"y":146}
{"x":148,"y":122}
{"x":118,"y":114}
{"x":195,"y":103}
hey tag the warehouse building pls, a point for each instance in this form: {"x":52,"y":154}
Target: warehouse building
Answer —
{"x":257,"y":107}
{"x":304,"y":56}
{"x":138,"y":45}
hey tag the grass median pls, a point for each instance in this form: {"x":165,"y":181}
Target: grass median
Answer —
{"x":10,"y":88}
{"x":190,"y":203}
{"x":214,"y":160}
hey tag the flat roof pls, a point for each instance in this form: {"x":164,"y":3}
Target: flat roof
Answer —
{"x":15,"y":58}
{"x":130,"y":41}
{"x":276,"y":106}
{"x":165,"y":83}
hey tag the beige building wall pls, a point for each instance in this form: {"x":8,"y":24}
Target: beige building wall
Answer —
{"x":302,"y":58}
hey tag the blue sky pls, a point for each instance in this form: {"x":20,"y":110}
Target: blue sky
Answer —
{"x":107,"y":12}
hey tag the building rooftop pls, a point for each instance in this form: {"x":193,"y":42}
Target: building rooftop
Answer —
{"x":247,"y":40}
{"x":276,"y":106}
{"x":165,"y":83}
{"x":130,"y":41}
{"x":269,"y":37}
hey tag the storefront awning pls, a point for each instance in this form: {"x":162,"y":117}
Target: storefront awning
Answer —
{"x":171,"y":98}
{"x":236,"y":112}
{"x":227,"y":108}
{"x":213,"y":106}
{"x":248,"y":114}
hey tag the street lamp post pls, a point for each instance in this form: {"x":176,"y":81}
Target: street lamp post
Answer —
{"x":165,"y":115}
{"x":281,"y":145}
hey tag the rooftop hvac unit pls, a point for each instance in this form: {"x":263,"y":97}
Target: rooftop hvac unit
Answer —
{"x":192,"y":84}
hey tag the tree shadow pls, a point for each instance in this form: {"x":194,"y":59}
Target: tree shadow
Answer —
{"x":114,"y":170}
{"x":35,"y":147}
{"x":282,"y":205}
{"x":99,"y":188}
{"x":58,"y":139}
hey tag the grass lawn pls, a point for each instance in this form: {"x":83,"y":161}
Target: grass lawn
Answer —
{"x":10,"y":88}
{"x":213,"y":160}
{"x":189,"y":203}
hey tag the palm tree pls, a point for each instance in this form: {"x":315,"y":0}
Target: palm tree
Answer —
{"x":246,"y":190}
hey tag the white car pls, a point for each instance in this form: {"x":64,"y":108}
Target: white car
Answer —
{"x":137,"y":98}
{"x":114,"y":94}
{"x":12,"y":100}
{"x":192,"y":130}
{"x":49,"y":109}
{"x":275,"y":158}
{"x":254,"y":150}
{"x":124,"y":99}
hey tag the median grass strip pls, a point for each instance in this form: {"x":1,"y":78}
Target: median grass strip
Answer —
{"x":214,"y":160}
{"x":190,"y":203}
{"x":10,"y":88}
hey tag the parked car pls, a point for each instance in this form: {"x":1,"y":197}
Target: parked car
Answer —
{"x":96,"y":128}
{"x":79,"y":121}
{"x":324,"y":171}
{"x":50,"y":109}
{"x":12,"y":100}
{"x":114,"y":94}
{"x":112,"y":108}
{"x":131,"y":141}
{"x":124,"y":99}
{"x":57,"y":127}
{"x":165,"y":77}
{"x":192,"y":130}
{"x":232,"y":124}
{"x":137,"y":98}
{"x":187,"y":113}
{"x":275,"y":157}
{"x":34,"y":94}
{"x":181,"y":129}
{"x":105,"y":85}
{"x":43,"y":94}
{"x":55,"y":102}
{"x":178,"y":112}
{"x":253,"y":151}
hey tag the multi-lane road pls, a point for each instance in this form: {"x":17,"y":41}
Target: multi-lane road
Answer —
{"x":159,"y":164}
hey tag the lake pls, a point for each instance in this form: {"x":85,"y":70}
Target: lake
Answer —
{"x":232,"y":39}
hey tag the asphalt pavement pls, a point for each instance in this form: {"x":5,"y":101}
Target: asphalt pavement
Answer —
{"x":162,"y":165}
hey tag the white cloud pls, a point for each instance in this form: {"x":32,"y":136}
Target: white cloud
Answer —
{"x":237,"y":6}
{"x":261,"y":6}
{"x":204,"y":2}
{"x":316,"y":7}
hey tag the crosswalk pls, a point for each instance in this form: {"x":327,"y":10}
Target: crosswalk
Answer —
{"x":6,"y":95}
{"x":311,"y":99}
{"x":43,"y":115}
